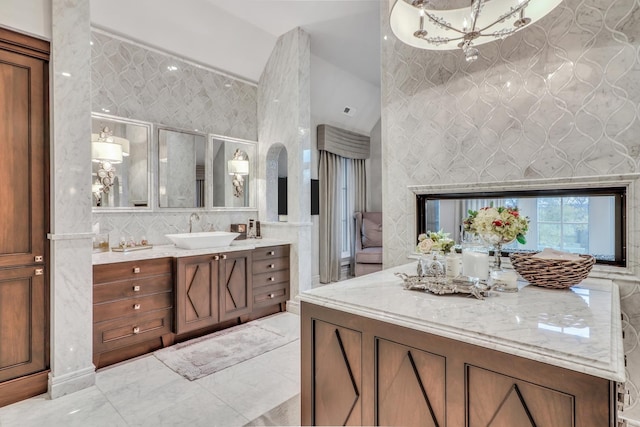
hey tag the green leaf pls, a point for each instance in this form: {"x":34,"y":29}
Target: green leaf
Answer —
{"x":521,"y":239}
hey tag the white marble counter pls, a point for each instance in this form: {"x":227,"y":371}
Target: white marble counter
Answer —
{"x":578,"y":329}
{"x":163,"y":251}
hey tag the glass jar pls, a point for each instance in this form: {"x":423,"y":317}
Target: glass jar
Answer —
{"x":453,"y":263}
{"x":475,"y":260}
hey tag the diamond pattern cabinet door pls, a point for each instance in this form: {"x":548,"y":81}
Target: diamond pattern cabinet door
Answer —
{"x":410,"y":386}
{"x":196,"y":293}
{"x":337,"y":382}
{"x":496,"y":400}
{"x":235,"y":284}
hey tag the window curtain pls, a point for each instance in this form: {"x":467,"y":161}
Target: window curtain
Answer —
{"x":335,"y":146}
{"x":329,"y":174}
{"x":357,"y":201}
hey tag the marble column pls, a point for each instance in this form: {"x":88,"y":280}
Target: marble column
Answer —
{"x":71,"y":270}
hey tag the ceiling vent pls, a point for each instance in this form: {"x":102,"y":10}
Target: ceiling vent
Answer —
{"x":348,"y":111}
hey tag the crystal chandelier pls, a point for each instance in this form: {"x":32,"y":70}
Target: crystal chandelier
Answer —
{"x":464,"y":24}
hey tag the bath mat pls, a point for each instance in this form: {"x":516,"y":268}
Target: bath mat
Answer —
{"x":205,"y":355}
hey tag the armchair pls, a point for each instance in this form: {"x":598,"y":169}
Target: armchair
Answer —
{"x":368,"y":243}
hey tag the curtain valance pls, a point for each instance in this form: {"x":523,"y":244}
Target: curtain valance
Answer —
{"x":342,"y":142}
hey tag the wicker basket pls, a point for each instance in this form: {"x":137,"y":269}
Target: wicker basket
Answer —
{"x":552,"y":273}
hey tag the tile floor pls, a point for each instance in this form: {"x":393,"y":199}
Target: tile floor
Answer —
{"x":144,"y":392}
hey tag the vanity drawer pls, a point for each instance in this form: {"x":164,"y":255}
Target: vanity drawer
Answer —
{"x":119,"y":271}
{"x":270,"y":295}
{"x":131,"y":306}
{"x":132,"y":288}
{"x":271,"y":252}
{"x":271,"y":278}
{"x":270,"y":265}
{"x":127,"y":331}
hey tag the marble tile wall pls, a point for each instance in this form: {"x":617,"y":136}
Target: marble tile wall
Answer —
{"x":138,"y":82}
{"x":559,"y":99}
{"x":284,"y":117}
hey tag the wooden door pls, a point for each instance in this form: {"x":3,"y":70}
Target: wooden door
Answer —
{"x":235,"y":284}
{"x":24,"y":310}
{"x":410,"y":386}
{"x":23,"y":340}
{"x":196,"y":292}
{"x":23,"y":125}
{"x":337,"y":375}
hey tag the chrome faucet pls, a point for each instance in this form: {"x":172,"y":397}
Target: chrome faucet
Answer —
{"x":191,"y":218}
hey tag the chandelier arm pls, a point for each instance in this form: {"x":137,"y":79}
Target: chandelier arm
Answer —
{"x":475,"y":11}
{"x":440,"y":22}
{"x":516,"y":10}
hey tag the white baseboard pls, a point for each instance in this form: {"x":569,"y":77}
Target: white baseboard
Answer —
{"x":61,"y":385}
{"x":293,"y":306}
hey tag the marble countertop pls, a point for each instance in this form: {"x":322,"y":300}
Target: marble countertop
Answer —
{"x":163,"y":251}
{"x":577,"y":329}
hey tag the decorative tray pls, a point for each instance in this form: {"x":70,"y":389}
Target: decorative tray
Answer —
{"x":131,"y":248}
{"x":441,"y":285}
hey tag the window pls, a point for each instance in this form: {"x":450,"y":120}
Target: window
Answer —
{"x":590,"y":221}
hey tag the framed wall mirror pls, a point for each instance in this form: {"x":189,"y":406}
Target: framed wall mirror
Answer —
{"x":233,"y":172}
{"x":182,"y":169}
{"x":120,"y":152}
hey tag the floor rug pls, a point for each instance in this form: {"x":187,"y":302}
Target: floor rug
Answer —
{"x":205,"y":355}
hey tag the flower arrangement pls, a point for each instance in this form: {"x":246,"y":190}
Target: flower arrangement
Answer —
{"x":434,"y":241}
{"x":502,"y":222}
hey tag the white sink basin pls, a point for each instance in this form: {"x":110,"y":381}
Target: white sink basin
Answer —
{"x":210,"y":239}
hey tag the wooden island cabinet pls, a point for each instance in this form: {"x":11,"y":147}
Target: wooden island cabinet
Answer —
{"x":376,"y":354}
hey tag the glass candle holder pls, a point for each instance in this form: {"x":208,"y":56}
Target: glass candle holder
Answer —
{"x":475,"y":260}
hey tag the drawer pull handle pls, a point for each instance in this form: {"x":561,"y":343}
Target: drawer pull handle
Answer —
{"x":216,"y":258}
{"x":39,"y":258}
{"x":271,"y":253}
{"x":136,"y":288}
{"x":272,"y":266}
{"x":271,"y":295}
{"x":39,"y":271}
{"x":271,"y":279}
{"x":136,"y":270}
{"x":224,"y":257}
{"x":136,"y":306}
{"x":136,"y":330}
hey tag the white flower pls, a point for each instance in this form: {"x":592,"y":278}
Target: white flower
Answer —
{"x":425,"y":246}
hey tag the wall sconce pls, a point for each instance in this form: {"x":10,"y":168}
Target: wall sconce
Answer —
{"x":106,"y":150}
{"x":238,"y":166}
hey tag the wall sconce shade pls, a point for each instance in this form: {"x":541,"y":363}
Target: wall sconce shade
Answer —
{"x":238,"y":167}
{"x":106,"y":152}
{"x":446,"y":24}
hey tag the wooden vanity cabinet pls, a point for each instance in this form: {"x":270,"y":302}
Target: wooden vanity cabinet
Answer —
{"x":212,"y":288}
{"x":271,"y":276}
{"x":132,"y":309}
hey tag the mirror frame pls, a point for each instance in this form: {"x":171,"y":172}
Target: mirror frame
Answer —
{"x":156,"y":163}
{"x":250,"y":185}
{"x":150,"y":143}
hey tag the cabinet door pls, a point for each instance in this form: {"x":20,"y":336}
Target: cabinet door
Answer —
{"x":337,"y":375}
{"x":196,"y":293}
{"x":235,"y":284}
{"x":22,"y":144}
{"x":410,"y":386}
{"x":498,"y":400}
{"x":22,"y":323}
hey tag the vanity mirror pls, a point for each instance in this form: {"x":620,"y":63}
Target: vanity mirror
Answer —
{"x":233,"y":184}
{"x":120,"y":163}
{"x":181,"y":168}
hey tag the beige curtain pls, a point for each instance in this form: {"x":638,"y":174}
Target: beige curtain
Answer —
{"x":357,"y":200}
{"x":329,"y":174}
